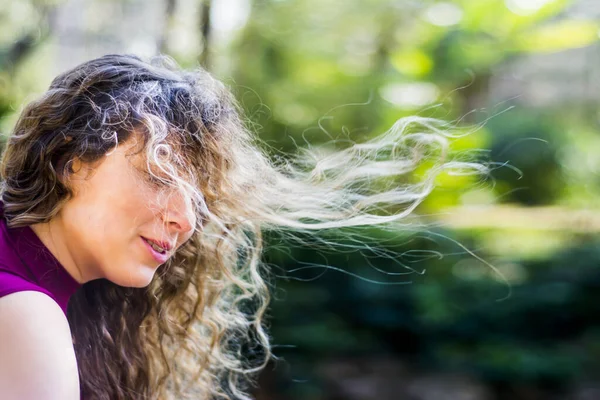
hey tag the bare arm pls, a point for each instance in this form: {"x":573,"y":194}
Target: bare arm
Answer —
{"x":37,"y":360}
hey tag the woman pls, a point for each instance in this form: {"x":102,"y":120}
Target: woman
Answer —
{"x":133,"y":201}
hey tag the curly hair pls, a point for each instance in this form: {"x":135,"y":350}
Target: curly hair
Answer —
{"x":198,"y":330}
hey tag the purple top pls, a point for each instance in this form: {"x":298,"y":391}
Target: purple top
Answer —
{"x":27,"y":264}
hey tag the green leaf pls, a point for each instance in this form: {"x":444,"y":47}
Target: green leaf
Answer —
{"x":414,"y":62}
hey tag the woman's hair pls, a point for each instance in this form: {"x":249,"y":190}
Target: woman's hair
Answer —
{"x":198,"y":330}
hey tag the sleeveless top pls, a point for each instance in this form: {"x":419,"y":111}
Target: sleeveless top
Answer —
{"x":27,"y":264}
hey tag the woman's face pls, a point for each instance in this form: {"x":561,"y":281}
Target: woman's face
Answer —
{"x":114,"y":210}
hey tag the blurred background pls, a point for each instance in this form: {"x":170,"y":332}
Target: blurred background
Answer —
{"x":433,"y":321}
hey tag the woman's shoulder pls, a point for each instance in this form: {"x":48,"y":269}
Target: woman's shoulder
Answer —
{"x":10,"y":282}
{"x":38,"y":359}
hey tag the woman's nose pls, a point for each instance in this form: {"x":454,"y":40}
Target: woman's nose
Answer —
{"x":179,"y":221}
{"x":179,"y":215}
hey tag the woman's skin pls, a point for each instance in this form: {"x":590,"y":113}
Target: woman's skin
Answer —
{"x":96,"y":234}
{"x":37,"y":359}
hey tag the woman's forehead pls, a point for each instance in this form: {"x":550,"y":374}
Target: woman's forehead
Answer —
{"x":165,"y":157}
{"x":159,"y":166}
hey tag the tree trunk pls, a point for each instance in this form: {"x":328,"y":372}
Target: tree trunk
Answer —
{"x":205,"y":31}
{"x":163,"y":44}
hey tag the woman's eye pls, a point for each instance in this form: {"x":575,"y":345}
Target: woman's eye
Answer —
{"x":156,"y":182}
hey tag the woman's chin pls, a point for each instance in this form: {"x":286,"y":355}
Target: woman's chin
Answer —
{"x":138,"y":277}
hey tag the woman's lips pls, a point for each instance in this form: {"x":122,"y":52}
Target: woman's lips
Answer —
{"x":159,"y":257}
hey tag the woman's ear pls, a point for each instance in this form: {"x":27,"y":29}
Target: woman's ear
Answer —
{"x":66,"y":171}
{"x":73,"y":174}
{"x":75,"y":165}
